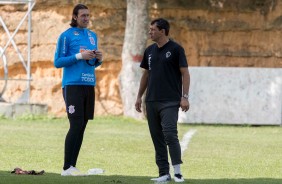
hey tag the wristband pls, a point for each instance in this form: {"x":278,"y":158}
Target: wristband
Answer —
{"x":78,"y":56}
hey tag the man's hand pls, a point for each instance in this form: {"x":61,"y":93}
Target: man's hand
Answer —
{"x":99,"y":55}
{"x":88,"y":55}
{"x":138,"y":105}
{"x":184,"y":104}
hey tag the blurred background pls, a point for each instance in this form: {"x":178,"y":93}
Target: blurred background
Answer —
{"x":219,"y":35}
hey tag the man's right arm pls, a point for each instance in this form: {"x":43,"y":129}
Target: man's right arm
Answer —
{"x":61,"y":59}
{"x":142,"y":88}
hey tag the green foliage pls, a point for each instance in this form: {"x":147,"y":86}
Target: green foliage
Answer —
{"x":123,"y":147}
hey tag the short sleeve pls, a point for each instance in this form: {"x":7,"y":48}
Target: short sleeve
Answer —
{"x":182,"y":57}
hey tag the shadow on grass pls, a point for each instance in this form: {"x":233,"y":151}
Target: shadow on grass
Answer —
{"x":54,"y":178}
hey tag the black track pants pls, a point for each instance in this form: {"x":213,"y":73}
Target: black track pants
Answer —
{"x":162,"y":120}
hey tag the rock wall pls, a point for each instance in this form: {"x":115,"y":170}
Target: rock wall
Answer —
{"x":213,"y":32}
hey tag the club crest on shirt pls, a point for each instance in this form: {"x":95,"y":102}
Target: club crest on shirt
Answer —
{"x":76,"y":33}
{"x":92,"y":41}
{"x":168,"y":54}
{"x":71,"y":109}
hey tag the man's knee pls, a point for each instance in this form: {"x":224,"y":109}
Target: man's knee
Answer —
{"x":171,"y":137}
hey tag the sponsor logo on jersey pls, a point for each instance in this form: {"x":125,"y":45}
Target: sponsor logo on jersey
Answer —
{"x":168,"y":54}
{"x":82,"y":49}
{"x":87,"y":77}
{"x":76,"y":33}
{"x":71,"y":109}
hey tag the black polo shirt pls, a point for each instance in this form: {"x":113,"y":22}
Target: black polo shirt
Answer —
{"x":163,"y":65}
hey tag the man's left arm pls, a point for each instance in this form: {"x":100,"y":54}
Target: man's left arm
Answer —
{"x":98,"y":53}
{"x":99,"y":58}
{"x":184,"y":104}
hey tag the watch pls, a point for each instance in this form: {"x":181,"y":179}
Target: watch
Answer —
{"x":185,"y":96}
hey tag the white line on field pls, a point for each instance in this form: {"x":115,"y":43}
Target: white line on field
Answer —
{"x":186,"y":139}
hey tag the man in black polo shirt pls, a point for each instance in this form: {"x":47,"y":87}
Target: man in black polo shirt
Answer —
{"x":166,"y":78}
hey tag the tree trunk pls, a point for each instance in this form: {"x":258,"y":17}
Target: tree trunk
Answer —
{"x":135,"y":40}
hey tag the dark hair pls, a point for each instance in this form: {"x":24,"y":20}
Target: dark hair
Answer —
{"x":161,"y":24}
{"x":75,"y":12}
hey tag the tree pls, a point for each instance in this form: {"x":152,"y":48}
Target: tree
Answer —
{"x":135,"y":40}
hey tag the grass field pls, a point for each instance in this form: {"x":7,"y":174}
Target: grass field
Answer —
{"x":216,"y":154}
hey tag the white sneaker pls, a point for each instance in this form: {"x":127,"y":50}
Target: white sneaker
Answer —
{"x":178,"y":178}
{"x":163,"y":178}
{"x":95,"y":171}
{"x":72,"y":171}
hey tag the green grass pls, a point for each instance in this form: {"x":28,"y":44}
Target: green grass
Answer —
{"x":123,"y":147}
